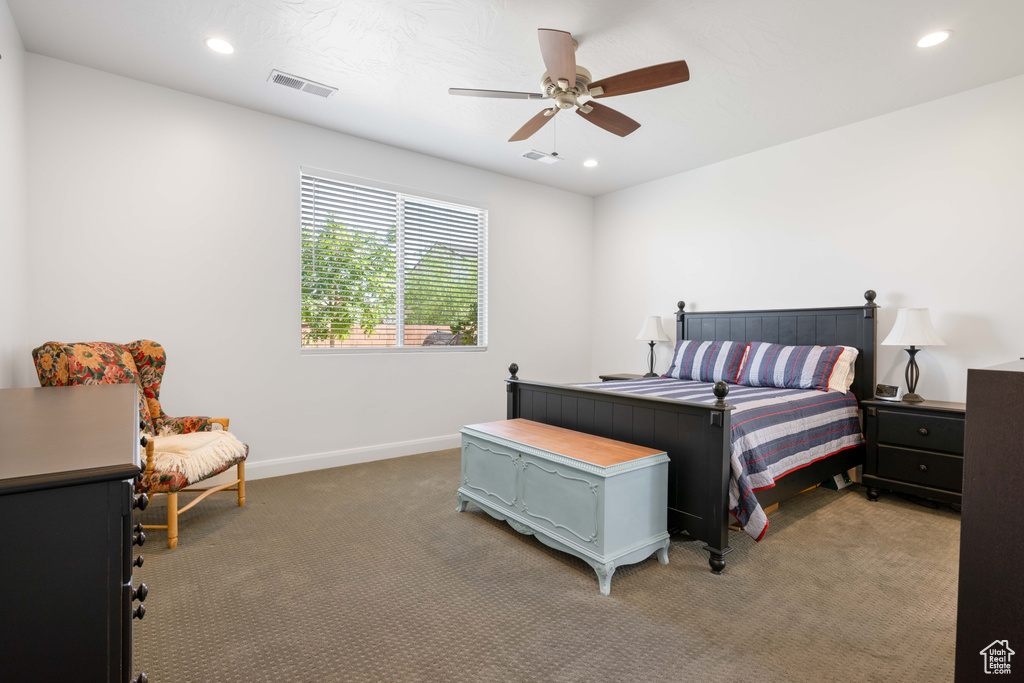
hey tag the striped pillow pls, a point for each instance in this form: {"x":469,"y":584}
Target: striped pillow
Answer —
{"x":707,"y":361}
{"x":795,"y":367}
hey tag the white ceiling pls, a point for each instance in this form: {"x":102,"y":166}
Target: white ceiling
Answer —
{"x":762,"y":73}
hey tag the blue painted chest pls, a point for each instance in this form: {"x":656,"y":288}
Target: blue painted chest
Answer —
{"x":602,"y":500}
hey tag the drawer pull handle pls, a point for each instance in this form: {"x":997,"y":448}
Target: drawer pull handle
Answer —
{"x":923,"y":468}
{"x":139,"y":612}
{"x":139,"y":539}
{"x":139,"y":560}
{"x":141,"y":501}
{"x":922,"y":431}
{"x":142,"y":678}
{"x":140,"y":593}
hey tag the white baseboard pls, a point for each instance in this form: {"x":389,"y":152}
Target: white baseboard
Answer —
{"x":263,"y":469}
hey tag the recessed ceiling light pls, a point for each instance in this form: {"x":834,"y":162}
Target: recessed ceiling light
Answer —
{"x":934,"y":38}
{"x":220,"y":46}
{"x":590,"y":163}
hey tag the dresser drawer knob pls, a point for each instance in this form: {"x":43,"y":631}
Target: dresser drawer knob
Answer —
{"x":143,"y":441}
{"x":142,"y":678}
{"x":922,"y":431}
{"x":140,"y":593}
{"x":141,"y":501}
{"x":138,"y":561}
{"x":923,"y":468}
{"x":139,"y":612}
{"x":139,"y":539}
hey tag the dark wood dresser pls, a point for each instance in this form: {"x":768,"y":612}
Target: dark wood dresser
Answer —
{"x":990,"y":603}
{"x":69,"y":457}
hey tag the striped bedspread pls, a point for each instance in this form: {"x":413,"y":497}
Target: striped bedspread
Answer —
{"x":774,"y":432}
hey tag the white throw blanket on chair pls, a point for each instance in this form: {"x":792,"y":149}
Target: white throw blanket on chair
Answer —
{"x":197,"y":454}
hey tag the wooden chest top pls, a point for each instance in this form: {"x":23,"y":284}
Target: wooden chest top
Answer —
{"x":596,"y":450}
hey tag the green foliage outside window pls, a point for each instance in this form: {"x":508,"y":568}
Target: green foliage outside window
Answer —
{"x":465,"y":329}
{"x":441,"y":289}
{"x":348,"y":282}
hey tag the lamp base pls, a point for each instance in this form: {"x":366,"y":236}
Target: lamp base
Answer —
{"x":650,"y":361}
{"x":912,"y":398}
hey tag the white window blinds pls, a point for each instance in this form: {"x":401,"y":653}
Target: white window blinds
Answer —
{"x":383,"y":269}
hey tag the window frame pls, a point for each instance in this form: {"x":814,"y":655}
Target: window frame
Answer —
{"x":418,"y":195}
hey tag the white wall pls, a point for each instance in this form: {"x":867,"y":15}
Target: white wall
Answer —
{"x":924,"y":205}
{"x":161,"y":215}
{"x":13,"y":202}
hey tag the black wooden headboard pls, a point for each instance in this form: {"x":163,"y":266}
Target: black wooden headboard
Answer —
{"x":847,"y":326}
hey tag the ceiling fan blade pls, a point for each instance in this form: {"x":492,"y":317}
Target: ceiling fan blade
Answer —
{"x":609,"y":119}
{"x":504,"y":94}
{"x":533,"y":125}
{"x":649,"y":78}
{"x":559,"y":54}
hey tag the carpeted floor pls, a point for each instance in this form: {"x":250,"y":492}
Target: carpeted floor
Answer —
{"x":367,"y":573}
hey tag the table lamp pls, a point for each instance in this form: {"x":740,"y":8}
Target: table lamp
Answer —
{"x":913,"y":328}
{"x":652,"y":332}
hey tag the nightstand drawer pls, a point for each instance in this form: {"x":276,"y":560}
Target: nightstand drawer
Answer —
{"x":935,"y":470}
{"x":931,"y":432}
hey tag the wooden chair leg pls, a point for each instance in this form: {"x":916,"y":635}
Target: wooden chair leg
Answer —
{"x":172,"y":520}
{"x":241,"y":484}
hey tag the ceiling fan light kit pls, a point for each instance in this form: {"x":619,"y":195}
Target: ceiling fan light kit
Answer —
{"x":570,"y":85}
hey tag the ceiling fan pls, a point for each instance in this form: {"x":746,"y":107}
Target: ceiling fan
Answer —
{"x":570,"y":85}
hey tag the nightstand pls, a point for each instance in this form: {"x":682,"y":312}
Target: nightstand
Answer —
{"x":915,"y":448}
{"x":619,"y":377}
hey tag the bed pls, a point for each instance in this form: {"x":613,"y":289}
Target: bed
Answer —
{"x":696,"y":432}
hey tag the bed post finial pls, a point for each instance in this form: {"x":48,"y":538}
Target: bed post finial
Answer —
{"x":512,"y":370}
{"x":681,"y":305}
{"x":721,"y":390}
{"x":870,"y":306}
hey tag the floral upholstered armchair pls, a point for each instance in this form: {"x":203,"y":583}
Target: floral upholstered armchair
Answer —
{"x":142,"y":363}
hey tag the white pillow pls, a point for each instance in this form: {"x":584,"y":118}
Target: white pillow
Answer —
{"x":841,"y":378}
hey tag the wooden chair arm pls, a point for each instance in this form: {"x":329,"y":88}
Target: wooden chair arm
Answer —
{"x":222,"y":421}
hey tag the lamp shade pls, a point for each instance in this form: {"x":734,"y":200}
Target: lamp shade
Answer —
{"x":913,"y":328}
{"x":652,"y":330}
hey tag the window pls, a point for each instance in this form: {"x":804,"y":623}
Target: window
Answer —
{"x":388,"y":270}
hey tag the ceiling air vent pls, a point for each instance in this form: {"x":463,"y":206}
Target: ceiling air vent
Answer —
{"x":542,"y":157}
{"x":305,"y":85}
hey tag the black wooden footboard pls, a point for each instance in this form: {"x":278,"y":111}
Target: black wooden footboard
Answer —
{"x":695,"y":436}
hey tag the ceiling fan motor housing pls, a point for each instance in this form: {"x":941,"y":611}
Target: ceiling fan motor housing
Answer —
{"x":567,"y":98}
